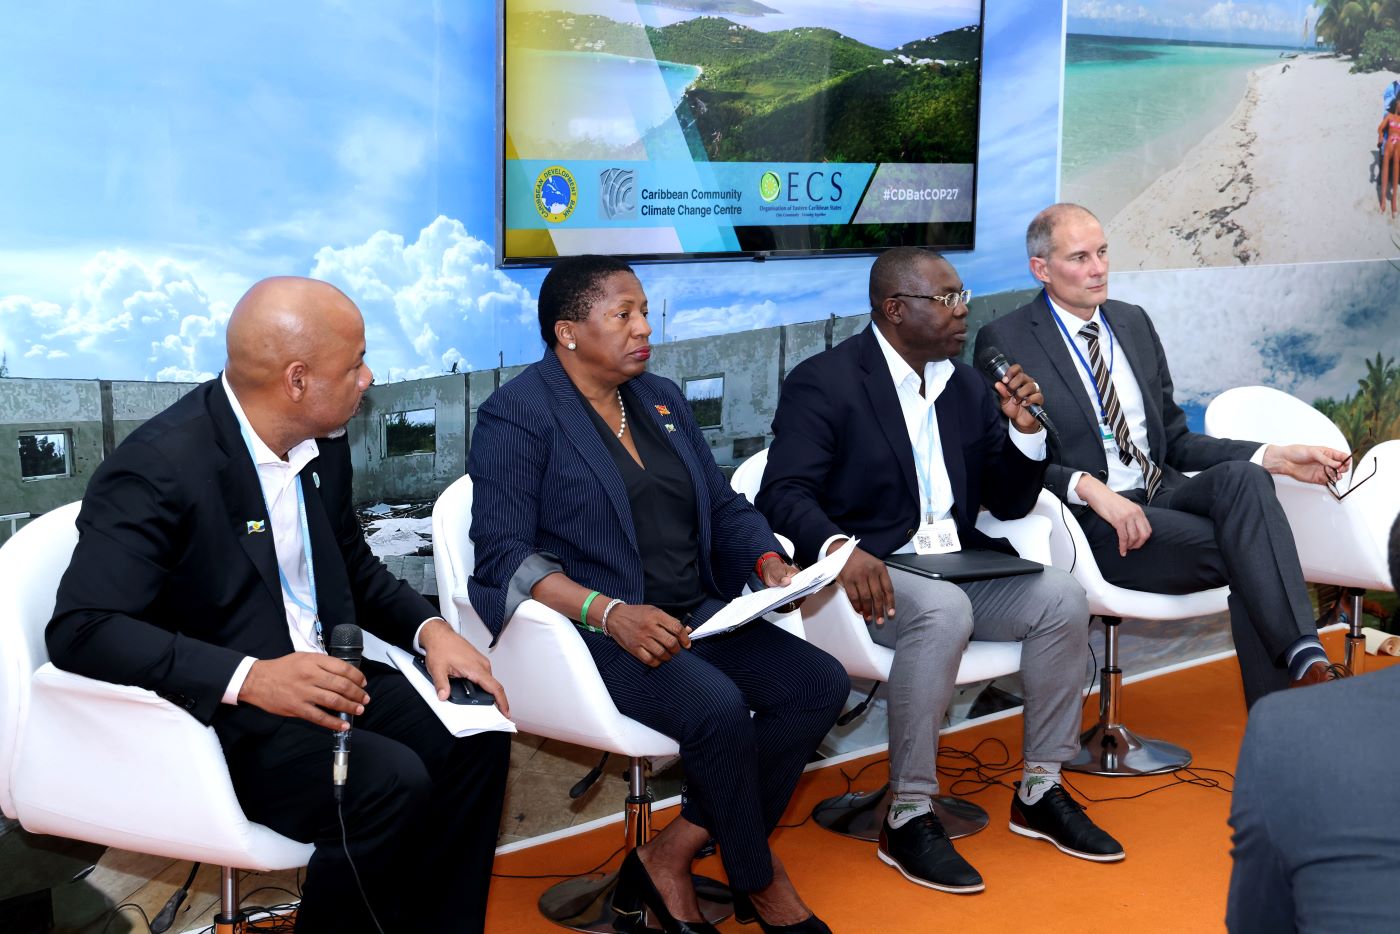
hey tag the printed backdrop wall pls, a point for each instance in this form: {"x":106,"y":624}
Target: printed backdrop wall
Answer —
{"x":156,"y":160}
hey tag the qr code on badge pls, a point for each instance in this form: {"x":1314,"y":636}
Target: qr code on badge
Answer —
{"x":924,"y":542}
{"x":945,"y":540}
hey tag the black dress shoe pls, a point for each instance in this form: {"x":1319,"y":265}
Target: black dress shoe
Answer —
{"x":636,"y":892}
{"x":745,"y":912}
{"x":924,"y":855}
{"x":1060,"y":819}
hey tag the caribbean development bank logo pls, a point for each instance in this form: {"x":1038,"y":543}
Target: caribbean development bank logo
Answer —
{"x":770,"y":186}
{"x":556,"y":194}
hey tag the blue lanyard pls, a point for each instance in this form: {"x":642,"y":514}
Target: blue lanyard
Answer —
{"x":305,"y":547}
{"x":1093,"y":383}
{"x":925,"y":468}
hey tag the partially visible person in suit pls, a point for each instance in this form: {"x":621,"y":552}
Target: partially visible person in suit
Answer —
{"x":217,"y":549}
{"x":885,"y":434}
{"x":1317,"y":832}
{"x":1124,"y":448}
{"x":595,"y":493}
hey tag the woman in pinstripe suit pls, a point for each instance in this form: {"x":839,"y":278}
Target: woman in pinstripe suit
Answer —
{"x":596,"y":494}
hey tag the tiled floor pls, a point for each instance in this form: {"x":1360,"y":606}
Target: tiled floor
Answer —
{"x":537,"y":801}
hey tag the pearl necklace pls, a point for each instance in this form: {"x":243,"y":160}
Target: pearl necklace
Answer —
{"x":623,"y":409}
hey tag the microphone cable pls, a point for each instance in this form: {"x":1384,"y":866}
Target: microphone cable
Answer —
{"x":345,"y":844}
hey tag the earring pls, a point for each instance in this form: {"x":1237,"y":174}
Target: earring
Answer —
{"x":573,"y":346}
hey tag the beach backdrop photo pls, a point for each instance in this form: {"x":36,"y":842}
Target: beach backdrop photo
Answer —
{"x":1235,"y":133}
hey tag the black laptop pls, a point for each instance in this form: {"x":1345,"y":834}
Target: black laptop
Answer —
{"x":961,"y":566}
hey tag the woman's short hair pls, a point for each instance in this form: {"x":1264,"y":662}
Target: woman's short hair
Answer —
{"x":571,"y":288}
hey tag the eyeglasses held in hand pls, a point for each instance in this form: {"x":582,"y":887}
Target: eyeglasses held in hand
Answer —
{"x":1356,"y":484}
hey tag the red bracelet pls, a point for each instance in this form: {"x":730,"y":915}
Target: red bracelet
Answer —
{"x":758,"y":565}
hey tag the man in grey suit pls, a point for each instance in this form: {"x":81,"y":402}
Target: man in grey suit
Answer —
{"x":1124,"y":448}
{"x":1316,"y":848}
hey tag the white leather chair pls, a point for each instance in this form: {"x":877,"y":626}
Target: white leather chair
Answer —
{"x":106,"y":763}
{"x":556,"y":692}
{"x":832,"y":624}
{"x":1342,"y":543}
{"x":1110,"y":748}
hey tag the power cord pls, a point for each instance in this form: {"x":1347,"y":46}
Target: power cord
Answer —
{"x":563,"y":875}
{"x":125,"y":906}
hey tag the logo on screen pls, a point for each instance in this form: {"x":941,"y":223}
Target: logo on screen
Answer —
{"x":770,"y":186}
{"x":617,"y":193}
{"x":556,"y":194}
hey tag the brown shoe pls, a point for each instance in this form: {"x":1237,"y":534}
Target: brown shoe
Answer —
{"x":1319,"y":672}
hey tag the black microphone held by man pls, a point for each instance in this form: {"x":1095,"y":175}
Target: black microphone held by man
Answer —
{"x":347,"y":644}
{"x":994,"y":363}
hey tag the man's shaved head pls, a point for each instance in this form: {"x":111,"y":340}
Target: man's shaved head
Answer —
{"x":279,"y":320}
{"x":296,"y":358}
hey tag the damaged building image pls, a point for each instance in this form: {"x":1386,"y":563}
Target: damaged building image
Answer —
{"x":410,"y":439}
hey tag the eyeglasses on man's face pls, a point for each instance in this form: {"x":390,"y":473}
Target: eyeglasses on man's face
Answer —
{"x":950,"y":300}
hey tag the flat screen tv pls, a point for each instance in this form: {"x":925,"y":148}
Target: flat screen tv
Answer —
{"x":699,"y":129}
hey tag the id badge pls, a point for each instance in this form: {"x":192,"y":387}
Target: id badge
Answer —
{"x":1110,"y":444}
{"x":937,"y":538}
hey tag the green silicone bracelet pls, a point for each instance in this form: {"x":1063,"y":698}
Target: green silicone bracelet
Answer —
{"x":583,"y":613}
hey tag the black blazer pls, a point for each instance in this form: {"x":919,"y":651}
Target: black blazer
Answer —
{"x":169,"y":590}
{"x":841,"y":461}
{"x":543,"y":482}
{"x":1030,"y":337}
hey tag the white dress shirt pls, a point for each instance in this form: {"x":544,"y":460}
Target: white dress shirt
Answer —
{"x":921,"y":422}
{"x":1121,"y":477}
{"x":278,"y":480}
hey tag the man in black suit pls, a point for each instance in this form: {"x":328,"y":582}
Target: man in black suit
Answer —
{"x":886,"y":436}
{"x":217,"y":550}
{"x":1317,"y":836}
{"x":1124,"y":448}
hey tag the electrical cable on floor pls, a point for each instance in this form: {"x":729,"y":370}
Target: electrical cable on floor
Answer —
{"x":114,"y":913}
{"x":564,"y":875}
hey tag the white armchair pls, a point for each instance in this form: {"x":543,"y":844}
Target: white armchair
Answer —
{"x":90,"y":760}
{"x":1110,"y":748}
{"x":1340,"y":542}
{"x":832,"y":624}
{"x":555,"y":692}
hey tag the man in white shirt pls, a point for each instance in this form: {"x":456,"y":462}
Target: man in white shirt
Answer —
{"x":217,"y":552}
{"x":888,"y":438}
{"x":1124,"y":448}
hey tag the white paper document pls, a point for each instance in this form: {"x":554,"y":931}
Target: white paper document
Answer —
{"x":460,"y":719}
{"x":750,"y":606}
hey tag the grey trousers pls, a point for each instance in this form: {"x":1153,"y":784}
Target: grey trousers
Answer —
{"x":934,"y":620}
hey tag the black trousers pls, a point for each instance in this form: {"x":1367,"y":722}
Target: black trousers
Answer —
{"x":1222,"y":526}
{"x":421,"y":813}
{"x":740,"y":770}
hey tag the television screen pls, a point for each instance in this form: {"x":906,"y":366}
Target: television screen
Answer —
{"x":691,"y":129}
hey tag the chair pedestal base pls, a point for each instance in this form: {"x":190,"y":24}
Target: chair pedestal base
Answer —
{"x":585,"y":904}
{"x":1110,"y":748}
{"x":860,"y":815}
{"x":1113,"y":749}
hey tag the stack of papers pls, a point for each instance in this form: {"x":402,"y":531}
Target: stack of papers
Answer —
{"x":751,"y":606}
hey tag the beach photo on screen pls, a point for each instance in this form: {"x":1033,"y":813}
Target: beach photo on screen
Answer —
{"x":672,"y":128}
{"x":1231,"y":134}
{"x":1266,"y":333}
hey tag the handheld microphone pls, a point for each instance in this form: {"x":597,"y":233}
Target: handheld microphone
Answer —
{"x":347,"y":644}
{"x":992,"y":362}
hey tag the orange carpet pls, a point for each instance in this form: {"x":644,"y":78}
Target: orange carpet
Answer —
{"x":1177,"y":840}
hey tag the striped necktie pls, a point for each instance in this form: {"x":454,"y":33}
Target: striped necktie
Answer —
{"x":1127,"y":451}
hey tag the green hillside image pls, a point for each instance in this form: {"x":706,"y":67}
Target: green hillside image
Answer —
{"x":806,"y":94}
